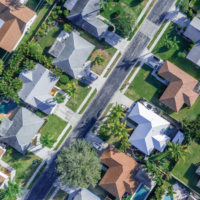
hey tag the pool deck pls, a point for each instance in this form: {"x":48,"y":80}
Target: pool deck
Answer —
{"x":9,"y":115}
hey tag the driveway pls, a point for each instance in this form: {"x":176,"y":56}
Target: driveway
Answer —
{"x":103,"y":97}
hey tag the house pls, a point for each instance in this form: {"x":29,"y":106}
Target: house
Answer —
{"x":85,"y":195}
{"x":149,"y":132}
{"x":198,"y":172}
{"x":121,"y":175}
{"x":15,"y":20}
{"x":71,"y":54}
{"x":180,"y":90}
{"x":21,"y":130}
{"x":84,"y":13}
{"x":193,"y":33}
{"x":37,"y":85}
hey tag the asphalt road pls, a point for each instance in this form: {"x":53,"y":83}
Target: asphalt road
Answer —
{"x":103,"y":97}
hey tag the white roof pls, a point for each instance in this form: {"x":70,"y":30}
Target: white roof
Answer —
{"x":149,"y":133}
{"x":178,"y":138}
{"x":196,"y":23}
{"x":69,"y":4}
{"x":1,"y":23}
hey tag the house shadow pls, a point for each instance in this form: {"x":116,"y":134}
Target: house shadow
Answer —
{"x":191,"y":175}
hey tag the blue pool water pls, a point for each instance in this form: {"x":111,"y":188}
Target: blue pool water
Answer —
{"x":141,"y":193}
{"x":167,"y":198}
{"x":168,"y":130}
{"x":7,"y":107}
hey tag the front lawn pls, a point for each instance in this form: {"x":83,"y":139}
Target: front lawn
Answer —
{"x":54,"y":126}
{"x":61,"y":195}
{"x":185,"y":170}
{"x":27,"y":169}
{"x":102,"y":48}
{"x":47,"y":41}
{"x":82,"y":92}
{"x":171,"y":55}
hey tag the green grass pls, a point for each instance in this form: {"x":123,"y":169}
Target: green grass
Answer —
{"x":113,"y":64}
{"x":47,"y":41}
{"x":171,"y":55}
{"x":185,"y":170}
{"x":160,"y":29}
{"x":141,"y":20}
{"x":54,"y":126}
{"x":82,"y":92}
{"x":37,"y":175}
{"x":32,"y":4}
{"x":63,"y":138}
{"x":61,"y":195}
{"x":25,"y":172}
{"x":50,"y":193}
{"x":88,"y":101}
{"x":195,"y":4}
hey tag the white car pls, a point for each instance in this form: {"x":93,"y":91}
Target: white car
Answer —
{"x":154,"y":65}
{"x":92,"y":76}
{"x":97,"y":146}
{"x":157,"y":59}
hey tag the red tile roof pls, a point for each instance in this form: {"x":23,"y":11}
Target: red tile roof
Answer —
{"x":15,"y":19}
{"x":180,"y":89}
{"x":120,"y":177}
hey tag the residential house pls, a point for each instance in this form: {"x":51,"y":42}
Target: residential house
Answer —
{"x":85,"y":195}
{"x":193,"y":33}
{"x":84,"y":13}
{"x":15,"y":20}
{"x":19,"y":132}
{"x":71,"y":53}
{"x":181,"y":88}
{"x":149,"y":131}
{"x":198,"y":172}
{"x":37,"y":87}
{"x":124,"y":174}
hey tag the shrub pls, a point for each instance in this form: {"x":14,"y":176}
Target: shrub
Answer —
{"x":140,"y":157}
{"x":192,"y":42}
{"x":39,"y":114}
{"x":68,"y":28}
{"x":184,"y":29}
{"x":111,"y":28}
{"x":117,"y":13}
{"x":42,"y":32}
{"x":49,"y":18}
{"x":54,"y":14}
{"x":64,"y":79}
{"x":57,"y":7}
{"x":103,"y":39}
{"x":60,"y":12}
{"x":179,"y":27}
{"x":191,"y":45}
{"x":184,"y":6}
{"x":189,"y":49}
{"x":105,"y":21}
{"x":181,"y":55}
{"x":20,"y":105}
{"x":66,"y":13}
{"x":43,"y":26}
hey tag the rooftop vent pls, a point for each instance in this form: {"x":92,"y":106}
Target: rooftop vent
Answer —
{"x":1,"y":23}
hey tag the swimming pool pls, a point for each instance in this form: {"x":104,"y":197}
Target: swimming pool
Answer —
{"x":7,"y":107}
{"x":167,"y":198}
{"x":141,"y":192}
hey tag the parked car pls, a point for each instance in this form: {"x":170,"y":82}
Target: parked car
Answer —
{"x":97,"y":146}
{"x":85,"y":80}
{"x":154,"y":65}
{"x":157,"y":59}
{"x":92,"y":76}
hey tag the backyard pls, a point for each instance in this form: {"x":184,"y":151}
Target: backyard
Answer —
{"x":54,"y":126}
{"x":185,"y":169}
{"x":82,"y":92}
{"x":102,"y":48}
{"x":171,"y":55}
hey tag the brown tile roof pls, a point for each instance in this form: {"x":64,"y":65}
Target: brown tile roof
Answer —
{"x":2,"y":179}
{"x":14,"y":22}
{"x":120,"y":177}
{"x":180,"y":89}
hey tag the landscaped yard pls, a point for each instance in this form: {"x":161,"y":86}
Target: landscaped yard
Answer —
{"x":47,"y":41}
{"x":25,"y":172}
{"x":172,"y":54}
{"x":82,"y":92}
{"x":195,"y":4}
{"x":61,"y":195}
{"x":102,"y":48}
{"x":185,"y":170}
{"x":54,"y":126}
{"x":32,"y":4}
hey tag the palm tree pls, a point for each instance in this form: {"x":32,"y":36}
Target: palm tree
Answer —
{"x":26,"y":63}
{"x":71,"y":89}
{"x":125,"y":143}
{"x":47,"y":140}
{"x":175,"y":43}
{"x":159,"y":192}
{"x":31,"y":65}
{"x":1,"y":66}
{"x":102,"y":4}
{"x":105,"y":130}
{"x":121,"y":130}
{"x":177,"y":151}
{"x":168,"y":42}
{"x":116,"y":114}
{"x":171,"y":192}
{"x":168,"y":176}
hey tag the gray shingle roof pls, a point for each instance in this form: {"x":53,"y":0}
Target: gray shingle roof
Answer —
{"x":193,"y":30}
{"x":84,"y":15}
{"x":86,"y":195}
{"x":25,"y":126}
{"x":194,"y":54}
{"x":37,"y":85}
{"x":4,"y":126}
{"x":74,"y":54}
{"x":198,"y":170}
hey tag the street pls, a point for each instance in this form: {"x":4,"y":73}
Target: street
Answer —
{"x":103,"y":97}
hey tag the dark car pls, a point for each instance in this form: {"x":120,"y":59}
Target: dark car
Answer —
{"x":157,"y":59}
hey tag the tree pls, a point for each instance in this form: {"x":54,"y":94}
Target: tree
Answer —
{"x":57,"y":72}
{"x":168,"y":42}
{"x":71,"y":89}
{"x":78,"y":165}
{"x":121,"y":130}
{"x":29,"y":64}
{"x":130,"y":16}
{"x":116,"y":114}
{"x":159,"y":191}
{"x":47,"y":140}
{"x":168,"y":176}
{"x":103,"y":4}
{"x":175,"y":43}
{"x":171,"y":192}
{"x":177,"y":151}
{"x":125,"y":144}
{"x":181,"y":55}
{"x":68,"y":28}
{"x":1,"y":66}
{"x":123,"y":27}
{"x":184,"y":6}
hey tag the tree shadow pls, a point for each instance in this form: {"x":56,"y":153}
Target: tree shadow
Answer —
{"x":135,"y":3}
